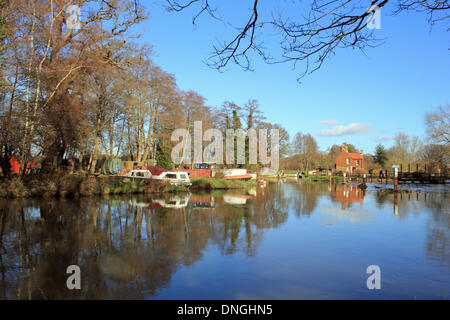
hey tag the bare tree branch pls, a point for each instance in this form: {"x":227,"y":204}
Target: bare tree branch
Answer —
{"x":329,"y":25}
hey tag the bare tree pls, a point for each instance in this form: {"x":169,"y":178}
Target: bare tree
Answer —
{"x":306,"y":150}
{"x":327,"y":26}
{"x":438,"y":125}
{"x":51,"y":55}
{"x":405,"y":149}
{"x":436,"y":156}
{"x":253,"y":114}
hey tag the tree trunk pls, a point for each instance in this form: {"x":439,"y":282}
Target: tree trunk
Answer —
{"x":94,"y":155}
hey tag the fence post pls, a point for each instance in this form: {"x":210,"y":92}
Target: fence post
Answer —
{"x":396,"y":175}
{"x":395,"y":178}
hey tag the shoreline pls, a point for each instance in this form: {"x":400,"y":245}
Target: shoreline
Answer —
{"x":205,"y":184}
{"x":76,"y":185}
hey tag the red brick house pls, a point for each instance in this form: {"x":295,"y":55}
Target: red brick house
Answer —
{"x":349,"y":161}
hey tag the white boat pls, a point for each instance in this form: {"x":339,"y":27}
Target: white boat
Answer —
{"x":179,"y":178}
{"x":141,"y":174}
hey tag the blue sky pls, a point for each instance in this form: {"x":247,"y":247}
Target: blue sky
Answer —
{"x":375,"y":96}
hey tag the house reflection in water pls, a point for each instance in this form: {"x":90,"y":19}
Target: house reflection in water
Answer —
{"x":347,"y":195}
{"x":202,"y":201}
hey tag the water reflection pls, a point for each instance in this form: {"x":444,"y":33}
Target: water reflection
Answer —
{"x":130,"y":247}
{"x":125,"y":247}
{"x":347,"y":195}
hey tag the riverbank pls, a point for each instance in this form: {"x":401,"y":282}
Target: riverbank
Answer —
{"x":220,"y":184}
{"x":73,"y":185}
{"x":308,"y":178}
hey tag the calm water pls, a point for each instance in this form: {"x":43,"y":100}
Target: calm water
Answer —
{"x":287,"y":241}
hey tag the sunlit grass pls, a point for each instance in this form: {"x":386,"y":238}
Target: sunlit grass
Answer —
{"x":211,"y":184}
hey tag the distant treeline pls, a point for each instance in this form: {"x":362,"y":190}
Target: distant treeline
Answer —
{"x":430,"y":154}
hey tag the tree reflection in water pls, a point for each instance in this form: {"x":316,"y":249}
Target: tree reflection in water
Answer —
{"x":130,"y":246}
{"x":125,"y":247}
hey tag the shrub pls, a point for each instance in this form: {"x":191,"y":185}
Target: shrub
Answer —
{"x":13,"y":188}
{"x":89,"y":187}
{"x":69,"y":185}
{"x":219,"y":175}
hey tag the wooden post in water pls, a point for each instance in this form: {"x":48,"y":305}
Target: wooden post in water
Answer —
{"x":395,"y":176}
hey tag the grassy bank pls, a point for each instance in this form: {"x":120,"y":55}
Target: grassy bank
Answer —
{"x":322,"y":178}
{"x":79,"y":186}
{"x":220,"y":184}
{"x":313,"y":178}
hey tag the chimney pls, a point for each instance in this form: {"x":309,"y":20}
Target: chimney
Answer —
{"x":344,"y":147}
{"x":361,"y":151}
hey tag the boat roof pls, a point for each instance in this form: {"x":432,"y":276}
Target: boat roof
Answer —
{"x":156,"y":171}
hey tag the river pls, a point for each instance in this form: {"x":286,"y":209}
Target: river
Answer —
{"x":290,"y":240}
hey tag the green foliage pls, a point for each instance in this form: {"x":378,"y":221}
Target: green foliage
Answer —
{"x":211,"y":184}
{"x":350,"y":148}
{"x":111,"y":166}
{"x":253,"y":167}
{"x":380,"y":156}
{"x":150,"y":162}
{"x":163,"y":159}
{"x":236,"y":120}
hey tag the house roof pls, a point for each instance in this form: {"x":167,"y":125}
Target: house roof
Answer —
{"x":356,"y":156}
{"x":353,"y":155}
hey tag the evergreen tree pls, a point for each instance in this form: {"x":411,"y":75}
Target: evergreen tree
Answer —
{"x":380,"y":155}
{"x":163,"y":159}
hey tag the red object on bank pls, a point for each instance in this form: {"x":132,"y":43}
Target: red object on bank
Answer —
{"x":16,"y":165}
